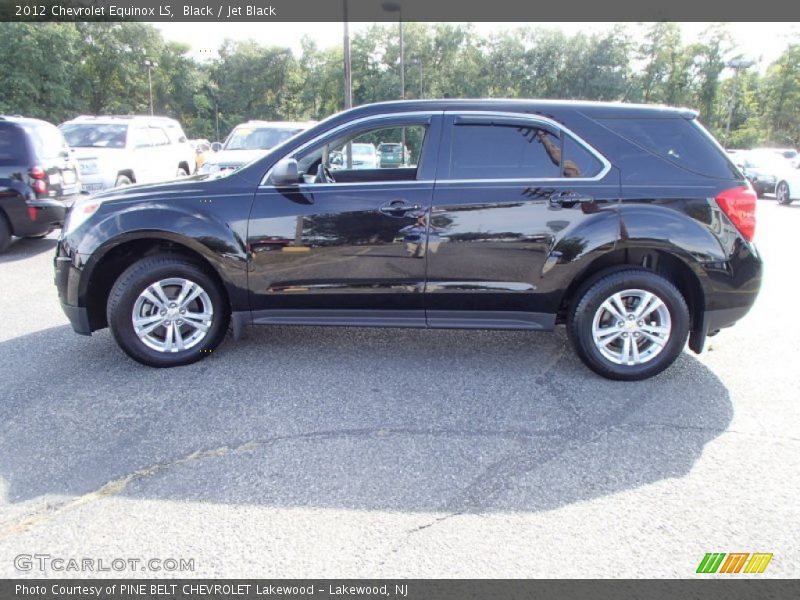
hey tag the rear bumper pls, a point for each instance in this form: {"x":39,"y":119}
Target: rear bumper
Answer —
{"x":712,"y":322}
{"x":43,"y":215}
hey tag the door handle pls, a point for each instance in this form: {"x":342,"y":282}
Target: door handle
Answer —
{"x":569,"y":197}
{"x":398,"y":208}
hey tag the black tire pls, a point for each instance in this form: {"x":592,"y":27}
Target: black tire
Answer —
{"x":122,"y":180}
{"x":134,"y":280}
{"x":588,"y":302}
{"x":782,"y":193}
{"x":5,"y":233}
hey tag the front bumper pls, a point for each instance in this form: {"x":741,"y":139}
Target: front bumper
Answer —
{"x":67,"y":277}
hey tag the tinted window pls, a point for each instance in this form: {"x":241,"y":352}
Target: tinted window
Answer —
{"x":681,"y":141}
{"x":503,"y":152}
{"x":48,"y":141}
{"x":578,"y":161}
{"x":11,"y":148}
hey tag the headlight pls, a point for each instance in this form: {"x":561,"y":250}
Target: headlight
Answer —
{"x":79,"y":213}
{"x":88,"y":167}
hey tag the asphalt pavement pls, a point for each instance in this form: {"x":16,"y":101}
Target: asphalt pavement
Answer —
{"x":322,"y":452}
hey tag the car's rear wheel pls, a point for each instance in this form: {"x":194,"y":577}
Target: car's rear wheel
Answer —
{"x":165,"y":311}
{"x":629,"y":325}
{"x":5,"y":233}
{"x":782,"y":193}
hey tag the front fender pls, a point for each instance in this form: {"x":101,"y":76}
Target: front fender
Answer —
{"x":218,"y":241}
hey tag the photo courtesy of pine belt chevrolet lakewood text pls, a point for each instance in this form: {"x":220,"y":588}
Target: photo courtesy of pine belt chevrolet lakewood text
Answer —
{"x":628,"y":224}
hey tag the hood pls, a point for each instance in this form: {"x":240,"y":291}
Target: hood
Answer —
{"x":148,"y":190}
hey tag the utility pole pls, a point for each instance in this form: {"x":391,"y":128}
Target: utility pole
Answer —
{"x":738,"y":65}
{"x":348,"y":77}
{"x":150,"y":66}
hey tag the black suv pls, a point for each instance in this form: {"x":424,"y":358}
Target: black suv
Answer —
{"x":626,"y":223}
{"x":38,"y":178}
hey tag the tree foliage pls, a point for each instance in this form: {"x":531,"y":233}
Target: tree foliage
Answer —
{"x":58,"y":70}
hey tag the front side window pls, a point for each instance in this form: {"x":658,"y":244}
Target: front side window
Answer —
{"x":158,"y":137}
{"x":382,"y":154}
{"x":489,"y":151}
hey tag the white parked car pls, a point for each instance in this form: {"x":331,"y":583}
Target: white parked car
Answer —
{"x":249,"y":141}
{"x":787,"y":187}
{"x":115,"y":151}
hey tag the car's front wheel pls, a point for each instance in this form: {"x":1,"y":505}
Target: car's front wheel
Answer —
{"x":165,"y":311}
{"x":782,"y":193}
{"x":629,"y":325}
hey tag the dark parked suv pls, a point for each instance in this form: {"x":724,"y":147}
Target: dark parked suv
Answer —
{"x":626,"y":223}
{"x":38,"y":178}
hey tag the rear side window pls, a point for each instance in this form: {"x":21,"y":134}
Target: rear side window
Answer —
{"x":681,"y":141}
{"x":578,"y":161}
{"x":487,"y":151}
{"x":12,"y":146}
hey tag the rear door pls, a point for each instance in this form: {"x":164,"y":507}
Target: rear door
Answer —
{"x":512,"y":201}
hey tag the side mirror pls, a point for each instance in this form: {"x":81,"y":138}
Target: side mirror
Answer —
{"x":285,"y":172}
{"x":216,"y":147}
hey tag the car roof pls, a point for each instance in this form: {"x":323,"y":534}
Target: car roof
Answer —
{"x":122,"y":119}
{"x":591,"y":108}
{"x":20,"y":120}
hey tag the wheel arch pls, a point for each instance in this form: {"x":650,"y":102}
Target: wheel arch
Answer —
{"x":660,"y":261}
{"x":111,"y":259}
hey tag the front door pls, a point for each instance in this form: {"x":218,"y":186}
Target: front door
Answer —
{"x":511,"y":201}
{"x":346,"y":243}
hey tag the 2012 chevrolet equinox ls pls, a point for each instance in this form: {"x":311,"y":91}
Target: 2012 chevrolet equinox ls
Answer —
{"x":627,"y":223}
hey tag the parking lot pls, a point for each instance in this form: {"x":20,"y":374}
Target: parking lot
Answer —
{"x":315,"y":452}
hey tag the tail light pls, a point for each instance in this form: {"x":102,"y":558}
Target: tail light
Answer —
{"x":39,"y":180}
{"x":739,"y":205}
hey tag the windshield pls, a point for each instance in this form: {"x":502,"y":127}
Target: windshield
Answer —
{"x":363,"y":149}
{"x":94,"y":135}
{"x":261,"y":138}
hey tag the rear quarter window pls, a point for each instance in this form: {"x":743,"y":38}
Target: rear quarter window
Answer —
{"x":12,"y":146}
{"x":48,"y":141}
{"x":683,"y":142}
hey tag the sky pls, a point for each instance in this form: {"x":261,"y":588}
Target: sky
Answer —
{"x":762,"y":42}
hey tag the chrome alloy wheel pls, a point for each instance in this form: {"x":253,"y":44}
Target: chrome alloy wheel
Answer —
{"x":631,"y":327}
{"x":172,"y":315}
